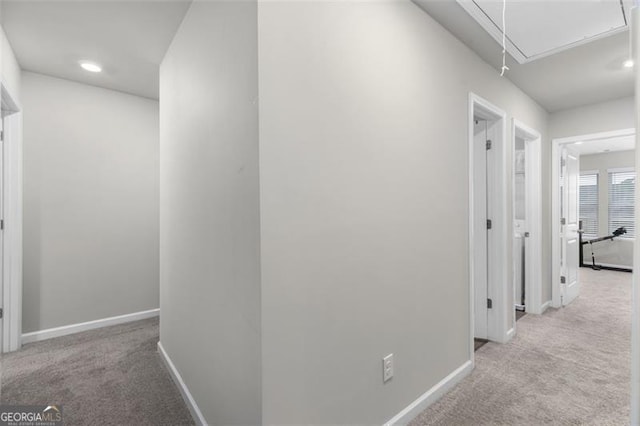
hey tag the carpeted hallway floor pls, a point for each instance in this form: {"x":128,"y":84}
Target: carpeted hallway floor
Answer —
{"x":569,"y":366}
{"x":111,"y":376}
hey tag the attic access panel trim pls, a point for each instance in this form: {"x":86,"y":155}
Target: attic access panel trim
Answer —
{"x":536,"y":29}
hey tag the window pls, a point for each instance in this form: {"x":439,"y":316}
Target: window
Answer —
{"x":589,"y":203}
{"x":622,"y":184}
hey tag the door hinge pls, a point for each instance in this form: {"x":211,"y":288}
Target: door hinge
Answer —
{"x":489,"y":224}
{"x":1,"y":135}
{"x":488,"y":144}
{"x":563,"y":221}
{"x":563,"y":280}
{"x":1,"y":313}
{"x":1,"y":224}
{"x":563,"y":162}
{"x":489,"y":304}
{"x":526,"y":234}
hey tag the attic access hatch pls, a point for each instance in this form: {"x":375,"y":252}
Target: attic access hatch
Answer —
{"x":539,"y":28}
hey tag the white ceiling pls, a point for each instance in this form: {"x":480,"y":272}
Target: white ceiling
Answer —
{"x":585,"y":74}
{"x":128,"y":38}
{"x":621,"y":143}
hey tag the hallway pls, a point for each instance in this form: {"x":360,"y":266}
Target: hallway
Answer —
{"x":567,"y":367}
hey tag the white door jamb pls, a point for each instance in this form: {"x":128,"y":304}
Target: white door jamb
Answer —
{"x":12,"y":216}
{"x":500,"y":329}
{"x":533,"y":174}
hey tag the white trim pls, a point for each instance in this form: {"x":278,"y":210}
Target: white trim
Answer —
{"x":11,"y":285}
{"x":512,"y":330}
{"x":50,"y":333}
{"x":591,"y":172}
{"x":472,"y":300}
{"x":182,"y":387}
{"x":431,"y":396}
{"x":497,"y":324}
{"x":621,"y":170}
{"x":556,"y":301}
{"x":612,"y":265}
{"x":555,"y":200}
{"x":546,"y":305}
{"x":533,"y":174}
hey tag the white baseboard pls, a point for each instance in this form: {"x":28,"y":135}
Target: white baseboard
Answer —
{"x":431,"y":396}
{"x":510,"y":334}
{"x":546,"y":305}
{"x":613,"y":265}
{"x":50,"y":333}
{"x":186,"y":395}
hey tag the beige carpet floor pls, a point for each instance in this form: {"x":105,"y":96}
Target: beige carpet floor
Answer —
{"x":110,"y":376}
{"x":569,"y":366}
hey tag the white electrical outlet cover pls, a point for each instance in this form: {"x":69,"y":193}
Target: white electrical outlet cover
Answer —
{"x":387,"y":368}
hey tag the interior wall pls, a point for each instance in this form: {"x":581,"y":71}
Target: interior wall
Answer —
{"x":210,"y":235}
{"x":602,"y":117}
{"x":90,"y":203}
{"x":364,"y":204}
{"x":620,"y":251}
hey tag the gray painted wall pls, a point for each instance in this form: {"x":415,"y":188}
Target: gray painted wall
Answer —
{"x":90,"y":203}
{"x":620,"y":251}
{"x":602,"y":117}
{"x":210,"y":238}
{"x":364,"y":204}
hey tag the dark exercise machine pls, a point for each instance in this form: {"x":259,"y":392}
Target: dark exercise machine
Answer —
{"x":594,"y":266}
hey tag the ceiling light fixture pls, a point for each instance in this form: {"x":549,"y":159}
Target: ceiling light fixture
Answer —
{"x":90,"y":66}
{"x":579,"y":143}
{"x":628,"y":63}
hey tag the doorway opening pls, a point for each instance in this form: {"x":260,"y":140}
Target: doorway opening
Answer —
{"x":490,"y":296}
{"x":593,"y":208}
{"x":527,"y":220}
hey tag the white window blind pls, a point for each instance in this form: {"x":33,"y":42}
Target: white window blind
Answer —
{"x":589,"y":204}
{"x":622,"y":186}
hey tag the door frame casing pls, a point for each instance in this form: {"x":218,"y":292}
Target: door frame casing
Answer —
{"x":556,"y":145}
{"x":12,"y":216}
{"x":533,"y":202}
{"x":498,"y":326}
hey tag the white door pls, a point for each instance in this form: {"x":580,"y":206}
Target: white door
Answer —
{"x":480,"y":240}
{"x":569,"y":263}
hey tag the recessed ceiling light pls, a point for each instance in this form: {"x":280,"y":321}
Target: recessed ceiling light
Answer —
{"x":579,"y":143}
{"x":90,"y":66}
{"x":628,"y":63}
